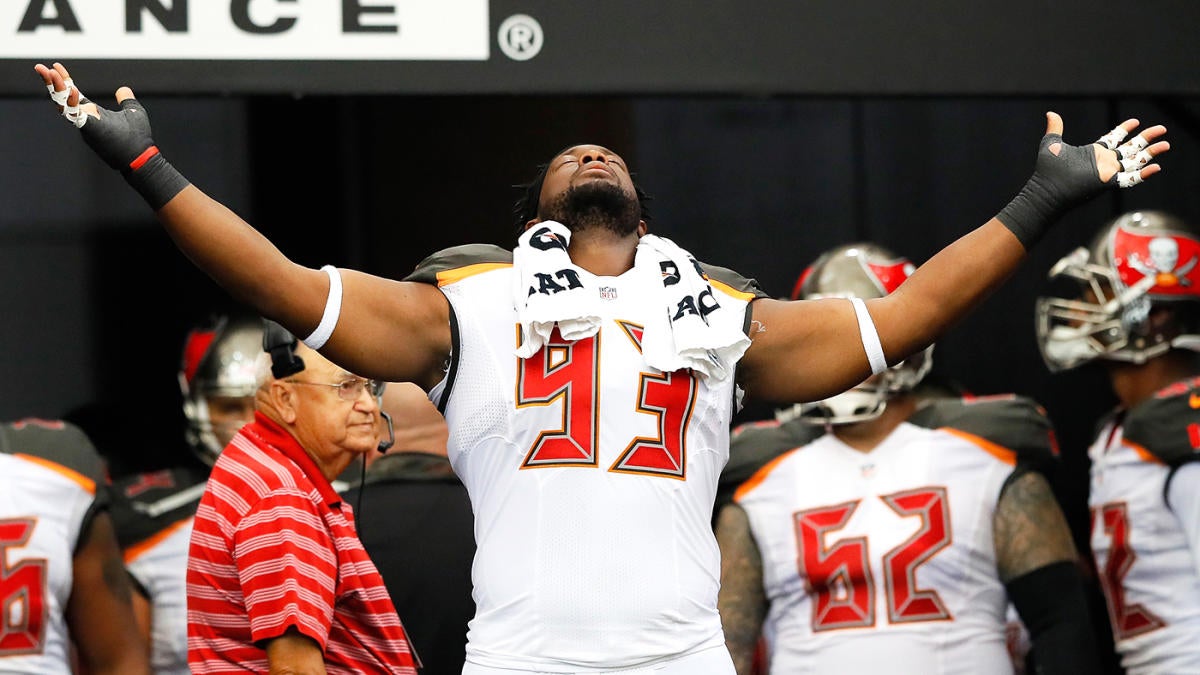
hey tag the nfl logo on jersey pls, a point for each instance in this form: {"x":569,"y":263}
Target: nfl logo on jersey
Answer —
{"x":608,"y":293}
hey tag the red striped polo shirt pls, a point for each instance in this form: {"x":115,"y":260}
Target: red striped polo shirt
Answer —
{"x":273,"y":547}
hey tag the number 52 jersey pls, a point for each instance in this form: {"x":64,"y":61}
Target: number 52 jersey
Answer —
{"x":884,"y":560}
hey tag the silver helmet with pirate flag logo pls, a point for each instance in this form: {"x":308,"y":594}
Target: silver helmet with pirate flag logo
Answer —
{"x":1131,"y":295}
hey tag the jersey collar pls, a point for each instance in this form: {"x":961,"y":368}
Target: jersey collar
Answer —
{"x":279,"y":439}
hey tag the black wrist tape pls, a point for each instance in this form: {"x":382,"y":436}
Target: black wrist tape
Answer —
{"x":1053,"y":605}
{"x":1059,"y":182}
{"x":1031,"y":212}
{"x":154,"y":178}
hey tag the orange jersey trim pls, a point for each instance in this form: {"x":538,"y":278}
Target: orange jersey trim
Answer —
{"x":459,"y":273}
{"x":83,"y":481}
{"x":1000,"y":452}
{"x":134,"y":552}
{"x":760,"y":475}
{"x":730,"y":290}
{"x":1142,"y":453}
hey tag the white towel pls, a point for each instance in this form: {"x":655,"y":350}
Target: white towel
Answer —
{"x":693,"y":330}
{"x":548,"y":289}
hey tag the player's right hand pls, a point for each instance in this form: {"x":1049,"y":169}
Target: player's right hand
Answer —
{"x":121,"y":137}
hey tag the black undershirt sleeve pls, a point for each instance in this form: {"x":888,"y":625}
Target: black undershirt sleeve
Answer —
{"x":1052,"y":604}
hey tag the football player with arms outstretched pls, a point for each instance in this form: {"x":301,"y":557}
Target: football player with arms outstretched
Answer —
{"x":1133,"y":305}
{"x":589,"y":375}
{"x":896,"y":540}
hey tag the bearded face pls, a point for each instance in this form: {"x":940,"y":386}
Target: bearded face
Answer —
{"x":595,"y":205}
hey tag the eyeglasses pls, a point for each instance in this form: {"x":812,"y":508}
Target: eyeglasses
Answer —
{"x":351,"y":389}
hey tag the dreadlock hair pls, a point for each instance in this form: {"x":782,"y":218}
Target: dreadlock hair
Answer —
{"x":525,"y":208}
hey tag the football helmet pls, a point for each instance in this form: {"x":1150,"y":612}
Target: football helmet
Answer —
{"x":220,"y":362}
{"x":1139,"y":262}
{"x":861,"y":270}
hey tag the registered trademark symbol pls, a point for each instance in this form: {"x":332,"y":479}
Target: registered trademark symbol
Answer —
{"x":520,"y":37}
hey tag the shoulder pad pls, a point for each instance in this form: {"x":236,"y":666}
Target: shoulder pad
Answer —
{"x":458,"y":257}
{"x":54,"y":441}
{"x":754,"y":444}
{"x":1012,"y":422}
{"x":1167,"y":424}
{"x":146,"y":503}
{"x":734,"y":281}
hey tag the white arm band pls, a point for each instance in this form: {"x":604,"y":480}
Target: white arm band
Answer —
{"x":870,"y":338}
{"x":333,"y":309}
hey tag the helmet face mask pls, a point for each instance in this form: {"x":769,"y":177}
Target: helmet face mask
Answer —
{"x":218,"y":378}
{"x":1140,"y":262}
{"x":867,"y":271}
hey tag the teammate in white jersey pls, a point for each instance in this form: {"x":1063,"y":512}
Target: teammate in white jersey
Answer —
{"x":153,"y":511}
{"x":63,"y":593}
{"x":895,"y":541}
{"x":588,"y":420}
{"x":1133,"y":305}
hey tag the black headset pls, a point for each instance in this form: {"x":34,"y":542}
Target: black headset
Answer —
{"x":281,"y":345}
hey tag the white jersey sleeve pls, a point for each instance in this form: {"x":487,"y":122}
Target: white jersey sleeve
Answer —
{"x":1184,"y":497}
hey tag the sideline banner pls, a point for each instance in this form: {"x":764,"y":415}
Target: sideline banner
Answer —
{"x":623,"y":47}
{"x":247,"y":29}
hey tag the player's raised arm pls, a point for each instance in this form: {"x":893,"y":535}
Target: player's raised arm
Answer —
{"x":807,"y":350}
{"x":372,"y":314}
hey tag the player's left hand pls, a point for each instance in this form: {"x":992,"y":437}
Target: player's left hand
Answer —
{"x":1076,"y":173}
{"x":1124,"y":162}
{"x":1066,"y":175}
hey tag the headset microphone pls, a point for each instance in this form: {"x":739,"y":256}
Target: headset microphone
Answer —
{"x":386,"y":444}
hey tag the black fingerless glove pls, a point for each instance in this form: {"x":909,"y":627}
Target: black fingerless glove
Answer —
{"x":1059,"y":182}
{"x":122,"y":139}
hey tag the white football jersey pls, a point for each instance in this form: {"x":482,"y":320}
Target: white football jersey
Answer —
{"x":883,"y":561}
{"x":161,"y":568}
{"x":152,"y":514}
{"x":592,"y":478}
{"x":1144,"y":549}
{"x":48,"y":485}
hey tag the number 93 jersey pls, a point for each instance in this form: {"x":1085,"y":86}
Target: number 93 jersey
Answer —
{"x":1145,"y":535}
{"x":884,"y":561}
{"x":591,"y":475}
{"x":49,"y":480}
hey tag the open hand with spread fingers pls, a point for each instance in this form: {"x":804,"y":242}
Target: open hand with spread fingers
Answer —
{"x":1132,"y":156}
{"x":121,"y":138}
{"x":1066,"y":175}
